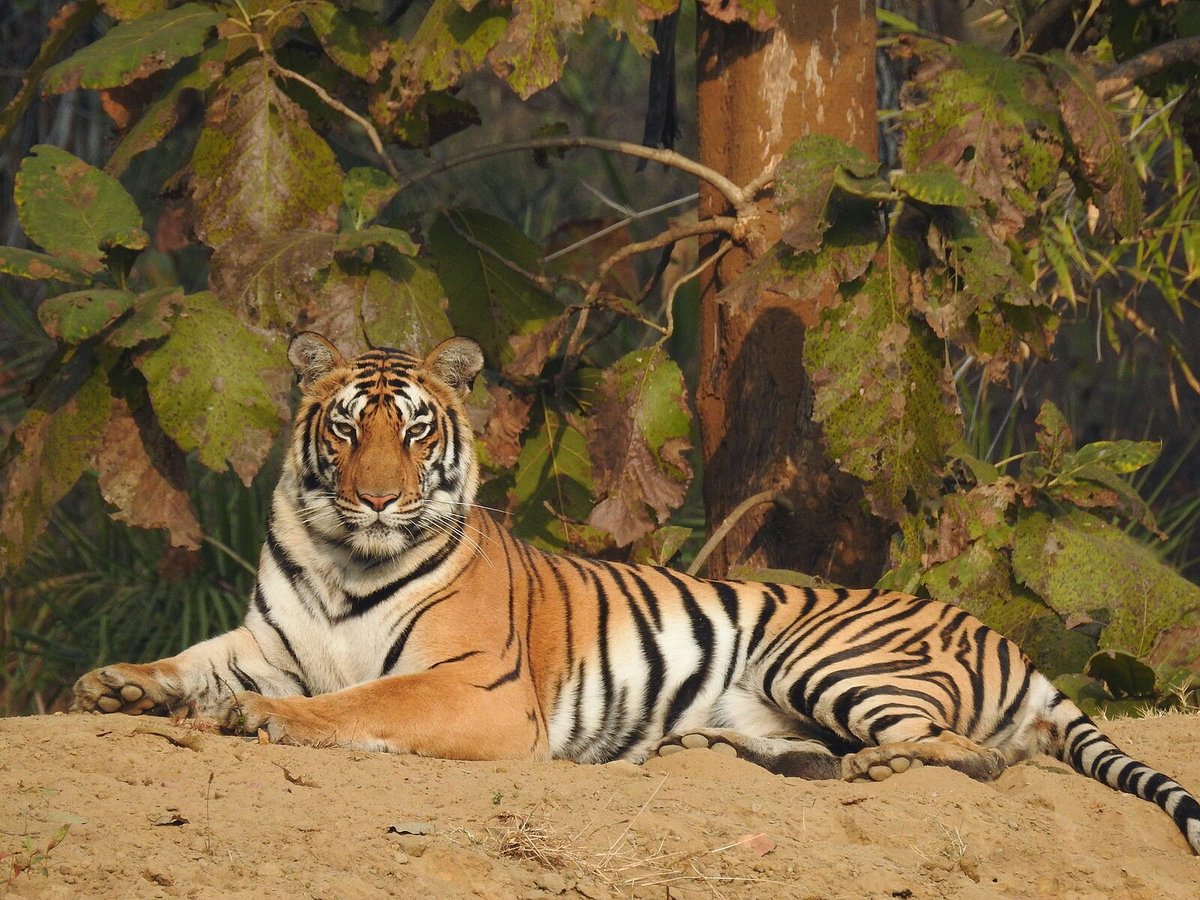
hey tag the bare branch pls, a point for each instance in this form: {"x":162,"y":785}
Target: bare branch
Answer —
{"x":742,"y":204}
{"x":727,"y":224}
{"x":332,"y":102}
{"x":771,"y":496}
{"x":1152,"y":61}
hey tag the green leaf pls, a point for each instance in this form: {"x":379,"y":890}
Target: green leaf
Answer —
{"x":553,"y":482}
{"x":163,"y":115}
{"x":528,"y":56}
{"x":805,"y":182}
{"x":39,"y":266}
{"x":341,"y":35}
{"x":777,"y":576}
{"x":269,"y":280}
{"x":366,"y":192}
{"x":1082,"y":565}
{"x":938,"y":185}
{"x":74,"y":211}
{"x":79,"y":315}
{"x":56,"y":447}
{"x":218,"y":388}
{"x":135,"y":49}
{"x":637,"y":434}
{"x":632,"y":18}
{"x":659,"y":546}
{"x":1121,"y":457}
{"x":376,"y":235}
{"x":884,"y":393}
{"x":758,"y":14}
{"x":400,"y":305}
{"x":489,"y":301}
{"x":150,"y":319}
{"x":258,"y":167}
{"x":1122,"y":674}
{"x":450,"y":41}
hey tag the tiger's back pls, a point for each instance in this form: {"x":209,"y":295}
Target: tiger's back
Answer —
{"x":390,"y":612}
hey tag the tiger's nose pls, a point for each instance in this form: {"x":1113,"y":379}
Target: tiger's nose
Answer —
{"x":378,"y":502}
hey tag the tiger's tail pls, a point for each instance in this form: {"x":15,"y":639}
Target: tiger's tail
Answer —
{"x":1069,"y":735}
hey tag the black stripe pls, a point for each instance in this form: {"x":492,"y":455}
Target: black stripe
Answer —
{"x":454,"y":659}
{"x":397,"y":647}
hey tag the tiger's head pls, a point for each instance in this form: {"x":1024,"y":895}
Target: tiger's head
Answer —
{"x":381,"y":446}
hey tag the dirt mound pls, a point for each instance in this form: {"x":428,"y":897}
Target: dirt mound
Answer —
{"x":113,"y":806}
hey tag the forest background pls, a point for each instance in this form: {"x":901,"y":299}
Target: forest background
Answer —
{"x":911,"y":301}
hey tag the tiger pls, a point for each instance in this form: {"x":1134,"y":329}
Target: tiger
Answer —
{"x":391,"y":612}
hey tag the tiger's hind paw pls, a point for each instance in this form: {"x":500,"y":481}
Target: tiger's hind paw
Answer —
{"x":880,"y":763}
{"x":793,"y":757}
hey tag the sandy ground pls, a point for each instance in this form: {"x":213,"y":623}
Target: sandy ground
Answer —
{"x":150,"y":809}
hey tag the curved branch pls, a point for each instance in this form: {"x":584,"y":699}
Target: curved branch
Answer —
{"x":1151,"y":62}
{"x":738,"y":199}
{"x":770,"y":496}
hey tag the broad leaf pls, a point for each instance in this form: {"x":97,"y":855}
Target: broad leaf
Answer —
{"x":80,"y":315}
{"x":489,"y":301}
{"x":366,"y":192}
{"x":399,"y":305}
{"x":258,"y":167}
{"x":142,"y":475}
{"x":638,"y":437}
{"x":1099,"y":145}
{"x":805,"y":185}
{"x":1082,"y":565}
{"x":346,"y":38}
{"x":73,"y":210}
{"x":937,"y":186}
{"x":451,"y":41}
{"x":529,"y":56}
{"x":161,"y":116}
{"x":1122,"y":674}
{"x":39,"y":266}
{"x":269,"y":280}
{"x":56,"y":447}
{"x":218,"y":387}
{"x":150,"y":319}
{"x":135,"y":49}
{"x":376,"y":235}
{"x":884,"y":394}
{"x":553,"y":483}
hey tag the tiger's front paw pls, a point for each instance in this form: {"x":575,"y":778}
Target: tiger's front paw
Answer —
{"x":128,"y":688}
{"x":286,"y":720}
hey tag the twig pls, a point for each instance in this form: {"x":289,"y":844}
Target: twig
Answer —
{"x":771,"y":496}
{"x":728,"y":224}
{"x":540,"y":280}
{"x":621,"y":224}
{"x":334,"y":103}
{"x":669,"y":305}
{"x":742,"y":203}
{"x":1186,"y":49}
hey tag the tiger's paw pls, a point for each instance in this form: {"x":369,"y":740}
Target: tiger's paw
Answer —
{"x":880,"y":763}
{"x":127,"y":688}
{"x":699,"y":739}
{"x":283,"y":719}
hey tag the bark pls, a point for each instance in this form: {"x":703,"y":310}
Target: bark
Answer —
{"x":759,"y":92}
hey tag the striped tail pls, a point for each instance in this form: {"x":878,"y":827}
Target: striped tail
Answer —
{"x":1075,"y":739}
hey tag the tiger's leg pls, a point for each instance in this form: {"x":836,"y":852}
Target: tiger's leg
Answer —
{"x":896,"y":754}
{"x":194,"y":682}
{"x":794,"y":757}
{"x":439,"y":712}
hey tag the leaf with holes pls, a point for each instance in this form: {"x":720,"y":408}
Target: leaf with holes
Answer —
{"x":883,"y":393}
{"x":451,"y":41}
{"x":805,"y":185}
{"x":258,"y":167}
{"x":56,"y":447}
{"x":150,"y":319}
{"x":135,"y":49}
{"x":74,"y":211}
{"x":638,"y":437}
{"x":218,"y":387}
{"x":489,"y":299}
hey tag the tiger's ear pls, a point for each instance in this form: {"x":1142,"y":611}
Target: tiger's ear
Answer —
{"x":312,"y":356}
{"x":456,"y":362}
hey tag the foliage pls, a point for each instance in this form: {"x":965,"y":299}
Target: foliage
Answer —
{"x":256,"y":188}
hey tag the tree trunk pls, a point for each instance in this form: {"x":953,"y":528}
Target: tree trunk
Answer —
{"x":758,"y":93}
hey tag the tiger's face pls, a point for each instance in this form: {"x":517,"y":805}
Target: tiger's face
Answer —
{"x":382,"y":445}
